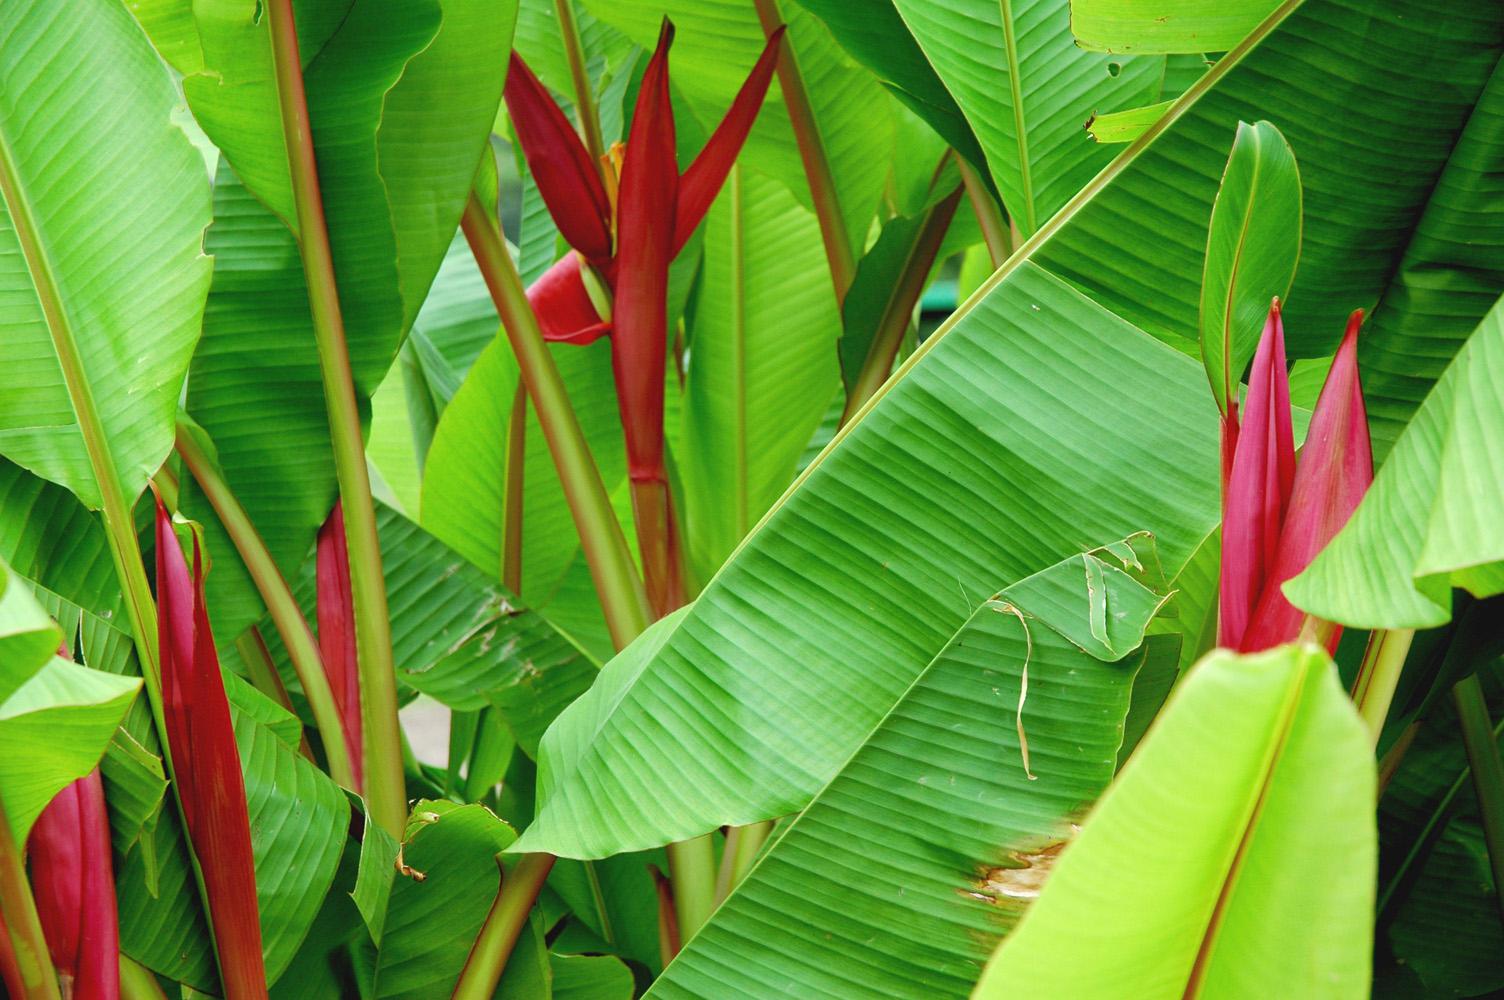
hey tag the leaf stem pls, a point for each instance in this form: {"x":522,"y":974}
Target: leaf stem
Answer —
{"x":1373,"y":688}
{"x":385,"y":791}
{"x":822,"y":183}
{"x":498,"y":935}
{"x":1488,"y":772}
{"x":898,"y":312}
{"x":995,"y":231}
{"x":622,"y":596}
{"x":584,"y":101}
{"x":18,"y":914}
{"x":742,"y":845}
{"x":302,"y":649}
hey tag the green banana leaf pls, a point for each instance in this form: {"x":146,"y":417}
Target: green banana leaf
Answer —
{"x":95,"y":342}
{"x":440,"y":898}
{"x":1027,"y":89}
{"x":957,"y":804}
{"x":983,"y":462}
{"x":401,"y":98}
{"x":1261,"y":776}
{"x":762,"y":368}
{"x":28,"y":637}
{"x":1430,"y":522}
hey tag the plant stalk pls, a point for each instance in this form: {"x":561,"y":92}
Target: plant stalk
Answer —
{"x":898,"y":312}
{"x":691,"y":869}
{"x":588,"y":119}
{"x":498,"y":935}
{"x":18,"y":914}
{"x":302,"y":649}
{"x":995,"y":231}
{"x":658,"y":543}
{"x":739,"y":854}
{"x":822,"y":183}
{"x":1373,"y":688}
{"x":622,"y":596}
{"x":385,"y":790}
{"x":1488,"y":772}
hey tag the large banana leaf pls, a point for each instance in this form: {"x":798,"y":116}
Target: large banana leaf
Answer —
{"x":401,"y":98}
{"x":1390,"y":106}
{"x":762,"y":367}
{"x":437,"y":903}
{"x":987,"y":461}
{"x":28,"y":637}
{"x":1234,"y":857}
{"x":1027,"y":89}
{"x":52,"y":539}
{"x":102,"y":275}
{"x":715,"y":45}
{"x":1431,"y":520}
{"x":956,"y":820}
{"x":1032,"y":421}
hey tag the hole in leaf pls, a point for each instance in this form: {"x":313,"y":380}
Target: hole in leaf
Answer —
{"x":1113,"y":69}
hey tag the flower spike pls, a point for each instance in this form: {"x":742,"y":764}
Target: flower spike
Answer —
{"x":567,"y":178}
{"x":206,"y":765}
{"x":646,"y":207}
{"x":1257,"y":490}
{"x":336,"y":618}
{"x":1335,"y":470}
{"x":74,"y":883}
{"x":702,"y":181}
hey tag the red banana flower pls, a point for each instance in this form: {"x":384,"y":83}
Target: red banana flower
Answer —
{"x":206,"y":765}
{"x":74,"y":884}
{"x":655,"y":214}
{"x":336,"y":618}
{"x":1279,"y":512}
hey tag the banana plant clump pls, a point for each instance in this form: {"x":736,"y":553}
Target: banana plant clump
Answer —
{"x":719,"y":499}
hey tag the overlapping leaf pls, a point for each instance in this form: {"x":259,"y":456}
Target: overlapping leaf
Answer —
{"x":102,"y":213}
{"x":1261,"y":774}
{"x":955,"y":839}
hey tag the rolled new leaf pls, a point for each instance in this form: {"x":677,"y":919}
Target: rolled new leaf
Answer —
{"x":74,"y":885}
{"x":206,"y":765}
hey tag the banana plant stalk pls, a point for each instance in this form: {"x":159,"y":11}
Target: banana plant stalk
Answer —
{"x":201,"y":740}
{"x":384,"y":785}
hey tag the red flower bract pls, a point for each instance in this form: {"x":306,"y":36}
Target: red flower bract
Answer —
{"x":657,"y":211}
{"x":1278,"y":513}
{"x":336,"y":618}
{"x":206,"y":764}
{"x":74,"y":883}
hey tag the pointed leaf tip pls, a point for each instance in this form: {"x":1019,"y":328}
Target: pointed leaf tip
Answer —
{"x":567,"y":179}
{"x":1258,"y":486}
{"x":702,"y":181}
